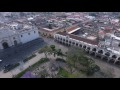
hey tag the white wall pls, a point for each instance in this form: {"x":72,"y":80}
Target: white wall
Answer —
{"x":26,"y":38}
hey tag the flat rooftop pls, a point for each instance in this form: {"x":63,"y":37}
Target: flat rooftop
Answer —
{"x":50,"y":29}
{"x":91,"y":37}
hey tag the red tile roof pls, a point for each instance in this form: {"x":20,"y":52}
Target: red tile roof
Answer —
{"x":79,"y":38}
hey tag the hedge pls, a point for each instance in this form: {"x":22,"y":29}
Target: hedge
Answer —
{"x":28,"y":58}
{"x":21,"y":73}
{"x":42,"y":60}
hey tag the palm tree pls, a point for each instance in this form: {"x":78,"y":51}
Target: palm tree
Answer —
{"x":59,"y":53}
{"x":46,"y":50}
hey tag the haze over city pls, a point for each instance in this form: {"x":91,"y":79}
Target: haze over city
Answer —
{"x":59,"y":44}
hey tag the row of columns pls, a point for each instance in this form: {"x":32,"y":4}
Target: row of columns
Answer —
{"x":86,"y":46}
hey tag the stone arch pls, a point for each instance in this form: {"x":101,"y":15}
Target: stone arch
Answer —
{"x":15,"y":42}
{"x":118,"y":61}
{"x":94,"y":49}
{"x":88,"y":48}
{"x":80,"y":45}
{"x":5,"y":45}
{"x":107,"y":54}
{"x":84,"y":46}
{"x":100,"y":51}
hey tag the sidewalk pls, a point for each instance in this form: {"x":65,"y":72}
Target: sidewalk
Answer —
{"x":22,"y":66}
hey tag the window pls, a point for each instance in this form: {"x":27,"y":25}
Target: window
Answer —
{"x":21,"y":35}
{"x":13,"y":37}
{"x":28,"y":33}
{"x":76,"y":44}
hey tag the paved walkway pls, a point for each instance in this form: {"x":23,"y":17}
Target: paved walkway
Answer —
{"x":16,"y":54}
{"x":22,"y":67}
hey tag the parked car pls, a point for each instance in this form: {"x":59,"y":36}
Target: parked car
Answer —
{"x":0,"y":60}
{"x":7,"y":67}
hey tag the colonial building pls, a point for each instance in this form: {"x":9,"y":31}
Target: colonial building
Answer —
{"x":52,"y":32}
{"x":16,"y":33}
{"x":90,"y":46}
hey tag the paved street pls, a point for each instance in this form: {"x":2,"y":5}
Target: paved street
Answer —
{"x":18,"y":57}
{"x":17,"y":54}
{"x":22,"y":67}
{"x":104,"y":66}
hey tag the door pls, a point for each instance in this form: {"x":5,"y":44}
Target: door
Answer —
{"x":5,"y":45}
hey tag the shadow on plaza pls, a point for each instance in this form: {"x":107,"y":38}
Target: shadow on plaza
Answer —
{"x":18,"y":53}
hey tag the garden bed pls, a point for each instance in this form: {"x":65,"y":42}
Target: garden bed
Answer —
{"x":10,"y":67}
{"x":42,"y":60}
{"x":28,"y":58}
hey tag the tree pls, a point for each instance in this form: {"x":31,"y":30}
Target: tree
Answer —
{"x":59,"y":53}
{"x":46,"y":50}
{"x":74,"y":55}
{"x":92,"y":67}
{"x":53,"y":49}
{"x":50,"y":26}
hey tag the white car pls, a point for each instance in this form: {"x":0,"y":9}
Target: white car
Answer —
{"x":0,"y":60}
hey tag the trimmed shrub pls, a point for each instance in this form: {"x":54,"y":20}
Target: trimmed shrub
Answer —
{"x":42,"y":60}
{"x":21,"y":73}
{"x":92,"y":70}
{"x":28,"y":58}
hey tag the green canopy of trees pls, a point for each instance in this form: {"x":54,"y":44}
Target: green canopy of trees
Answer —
{"x":77,"y":56}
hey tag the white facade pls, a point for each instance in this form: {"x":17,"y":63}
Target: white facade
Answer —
{"x":13,"y":35}
{"x":28,"y":36}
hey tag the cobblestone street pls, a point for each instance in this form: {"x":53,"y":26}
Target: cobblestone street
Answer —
{"x":17,"y":54}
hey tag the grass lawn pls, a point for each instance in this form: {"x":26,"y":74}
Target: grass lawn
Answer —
{"x":65,"y":74}
{"x":21,"y":73}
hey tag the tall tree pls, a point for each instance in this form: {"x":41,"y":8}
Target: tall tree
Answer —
{"x":74,"y":55}
{"x":59,"y":53}
{"x":52,"y":47}
{"x":46,"y":50}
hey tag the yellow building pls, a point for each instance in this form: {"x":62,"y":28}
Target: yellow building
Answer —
{"x":51,"y":32}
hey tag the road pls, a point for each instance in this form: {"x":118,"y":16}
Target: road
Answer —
{"x":17,"y":54}
{"x":22,"y":67}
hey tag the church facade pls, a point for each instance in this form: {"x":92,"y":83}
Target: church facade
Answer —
{"x":16,"y":33}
